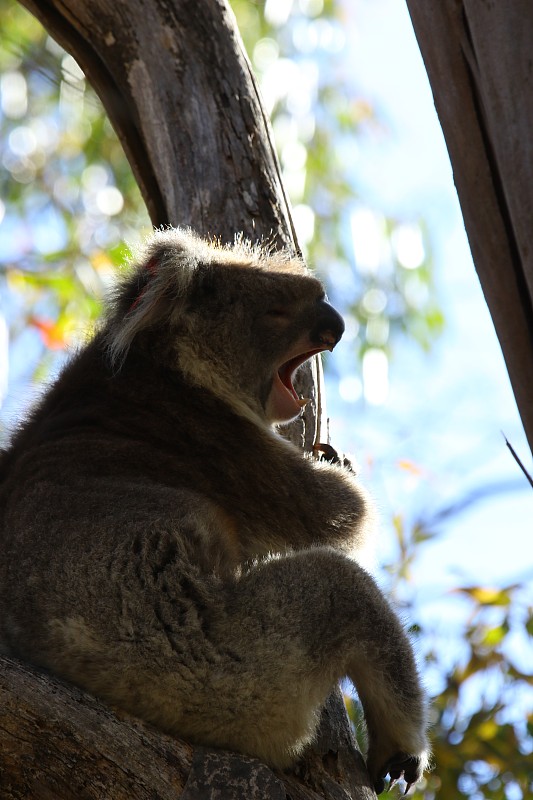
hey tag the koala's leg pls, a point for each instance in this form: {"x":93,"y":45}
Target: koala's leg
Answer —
{"x":295,"y":625}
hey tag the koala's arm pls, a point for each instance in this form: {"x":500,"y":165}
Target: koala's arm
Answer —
{"x":298,"y":502}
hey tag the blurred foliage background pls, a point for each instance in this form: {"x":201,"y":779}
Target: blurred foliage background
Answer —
{"x":70,"y":208}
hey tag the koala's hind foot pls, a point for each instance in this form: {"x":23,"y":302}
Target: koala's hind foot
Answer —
{"x":410,"y":768}
{"x":396,"y":726}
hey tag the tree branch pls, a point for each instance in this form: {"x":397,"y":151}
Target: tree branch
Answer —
{"x":57,"y":741}
{"x":478,"y":59}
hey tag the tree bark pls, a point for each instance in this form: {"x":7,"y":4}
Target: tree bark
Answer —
{"x":59,"y":743}
{"x":478,"y":59}
{"x":178,"y":88}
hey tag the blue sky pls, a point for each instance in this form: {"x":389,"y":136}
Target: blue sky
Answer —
{"x":444,"y":412}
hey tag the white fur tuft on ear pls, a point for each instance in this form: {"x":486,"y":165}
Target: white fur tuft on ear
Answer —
{"x":162,"y":270}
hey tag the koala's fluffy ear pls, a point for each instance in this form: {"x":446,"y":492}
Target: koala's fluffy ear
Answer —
{"x":153,"y":290}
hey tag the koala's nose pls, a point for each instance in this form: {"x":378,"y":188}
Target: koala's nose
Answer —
{"x":328,"y":326}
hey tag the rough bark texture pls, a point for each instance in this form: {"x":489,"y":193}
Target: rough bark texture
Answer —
{"x":179,"y":90}
{"x":59,"y":743}
{"x":478,"y":58}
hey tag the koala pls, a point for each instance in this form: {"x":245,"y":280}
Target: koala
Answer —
{"x":165,"y":548}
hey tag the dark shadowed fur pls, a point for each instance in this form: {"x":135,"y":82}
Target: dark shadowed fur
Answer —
{"x":162,"y":545}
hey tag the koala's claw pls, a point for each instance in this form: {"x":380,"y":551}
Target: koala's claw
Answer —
{"x":330,"y":454}
{"x":399,"y":766}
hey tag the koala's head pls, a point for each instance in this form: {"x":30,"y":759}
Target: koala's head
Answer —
{"x":238,"y":320}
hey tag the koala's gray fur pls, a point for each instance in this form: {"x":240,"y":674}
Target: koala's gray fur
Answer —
{"x":162,"y":546}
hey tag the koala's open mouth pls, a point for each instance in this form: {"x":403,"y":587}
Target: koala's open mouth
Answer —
{"x":288,"y":370}
{"x":283,"y":402}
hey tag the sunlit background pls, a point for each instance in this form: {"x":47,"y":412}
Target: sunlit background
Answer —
{"x":418,"y":394}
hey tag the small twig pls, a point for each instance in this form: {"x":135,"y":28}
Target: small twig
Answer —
{"x":318,"y":413}
{"x":517,"y":459}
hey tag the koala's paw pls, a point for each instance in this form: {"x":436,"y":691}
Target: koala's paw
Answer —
{"x":329,"y":454}
{"x":401,"y":765}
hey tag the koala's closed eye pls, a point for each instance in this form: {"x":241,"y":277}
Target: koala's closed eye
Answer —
{"x":278,"y":313}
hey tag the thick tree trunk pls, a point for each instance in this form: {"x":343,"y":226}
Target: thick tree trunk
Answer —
{"x":478,"y":58}
{"x":179,"y":90}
